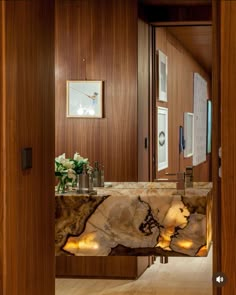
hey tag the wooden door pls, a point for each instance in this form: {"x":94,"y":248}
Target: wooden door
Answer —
{"x":27,"y":121}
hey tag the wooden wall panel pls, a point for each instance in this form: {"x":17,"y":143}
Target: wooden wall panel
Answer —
{"x":228,"y":134}
{"x":181,"y":67}
{"x":116,"y":267}
{"x":27,"y":120}
{"x":143,"y":101}
{"x":104,"y":34}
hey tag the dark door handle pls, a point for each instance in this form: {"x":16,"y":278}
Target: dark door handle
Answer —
{"x":146,"y":143}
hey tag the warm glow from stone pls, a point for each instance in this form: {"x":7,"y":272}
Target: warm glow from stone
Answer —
{"x":185,"y":244}
{"x":87,"y":242}
{"x":203,"y":251}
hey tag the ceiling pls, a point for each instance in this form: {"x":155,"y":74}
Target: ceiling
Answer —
{"x":175,"y":2}
{"x":198,"y":41}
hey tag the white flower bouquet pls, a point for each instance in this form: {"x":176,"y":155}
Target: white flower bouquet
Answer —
{"x":66,"y":170}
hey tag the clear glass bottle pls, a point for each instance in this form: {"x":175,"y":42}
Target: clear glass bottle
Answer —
{"x":102,"y":175}
{"x":84,"y":180}
{"x":96,"y":175}
{"x":90,"y":174}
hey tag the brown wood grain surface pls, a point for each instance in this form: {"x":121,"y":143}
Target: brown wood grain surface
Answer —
{"x":143,"y":101}
{"x":228,"y":135}
{"x":102,"y":267}
{"x":181,"y":66}
{"x":27,"y":120}
{"x":104,"y":34}
{"x":198,"y":41}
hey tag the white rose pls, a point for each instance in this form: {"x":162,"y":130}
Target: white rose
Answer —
{"x":77,"y":157}
{"x":61,"y":158}
{"x":68,"y":164}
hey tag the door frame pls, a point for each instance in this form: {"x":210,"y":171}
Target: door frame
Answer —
{"x":217,"y":254}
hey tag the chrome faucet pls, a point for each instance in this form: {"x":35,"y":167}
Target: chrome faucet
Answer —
{"x":180,"y":181}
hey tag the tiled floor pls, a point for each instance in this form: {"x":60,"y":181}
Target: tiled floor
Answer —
{"x":189,"y":276}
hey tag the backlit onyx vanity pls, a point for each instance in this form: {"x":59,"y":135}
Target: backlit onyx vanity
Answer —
{"x":130,"y":219}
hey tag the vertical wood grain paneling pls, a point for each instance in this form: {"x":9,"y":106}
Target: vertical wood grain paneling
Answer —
{"x":115,"y":267}
{"x":27,"y":120}
{"x":104,"y":33}
{"x":143,"y":101}
{"x":228,"y":135}
{"x":181,"y":67}
{"x":198,"y":40}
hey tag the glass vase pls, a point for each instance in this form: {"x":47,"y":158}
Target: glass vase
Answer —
{"x":62,"y":186}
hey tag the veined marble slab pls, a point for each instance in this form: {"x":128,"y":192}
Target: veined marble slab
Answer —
{"x":134,"y":219}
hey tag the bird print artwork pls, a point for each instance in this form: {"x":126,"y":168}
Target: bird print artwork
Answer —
{"x":85,"y":98}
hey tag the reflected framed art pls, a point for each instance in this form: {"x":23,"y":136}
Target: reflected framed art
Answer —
{"x":162,"y":76}
{"x":209,"y":126}
{"x":162,"y":138}
{"x":188,"y":134}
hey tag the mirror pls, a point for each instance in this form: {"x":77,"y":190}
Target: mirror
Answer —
{"x":113,"y":140}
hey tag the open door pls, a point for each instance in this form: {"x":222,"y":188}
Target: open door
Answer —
{"x":27,"y":148}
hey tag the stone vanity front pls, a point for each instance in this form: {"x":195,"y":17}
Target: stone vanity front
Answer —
{"x":140,"y":219}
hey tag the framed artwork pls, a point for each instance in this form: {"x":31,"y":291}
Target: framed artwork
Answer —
{"x":84,"y":99}
{"x":188,"y":134}
{"x":162,"y":138}
{"x":200,"y":96}
{"x":209,"y":125}
{"x":162,"y":76}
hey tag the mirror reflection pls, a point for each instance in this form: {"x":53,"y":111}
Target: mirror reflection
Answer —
{"x":187,"y":52}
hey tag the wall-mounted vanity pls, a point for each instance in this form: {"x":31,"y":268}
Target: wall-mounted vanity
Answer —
{"x":134,"y":219}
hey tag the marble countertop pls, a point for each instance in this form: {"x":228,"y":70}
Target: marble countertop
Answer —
{"x":134,"y":188}
{"x":162,"y":185}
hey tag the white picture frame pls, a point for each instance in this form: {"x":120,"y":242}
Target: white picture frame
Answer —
{"x":209,"y":126}
{"x":162,"y":138}
{"x":162,"y":76}
{"x":188,"y":134}
{"x":84,"y":99}
{"x":200,"y":96}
